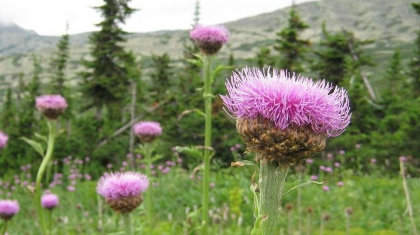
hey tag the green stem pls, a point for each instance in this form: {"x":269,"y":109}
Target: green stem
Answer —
{"x":147,"y":152}
{"x":41,"y":170}
{"x":308,"y":224}
{"x":207,"y":141}
{"x":49,"y":220}
{"x":127,"y":224}
{"x":347,"y":224}
{"x":271,"y":183}
{"x":4,"y":230}
{"x":407,"y":197}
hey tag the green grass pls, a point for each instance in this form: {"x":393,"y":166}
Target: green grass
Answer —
{"x":378,"y":204}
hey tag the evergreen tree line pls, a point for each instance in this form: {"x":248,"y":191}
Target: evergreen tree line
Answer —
{"x":117,"y":89}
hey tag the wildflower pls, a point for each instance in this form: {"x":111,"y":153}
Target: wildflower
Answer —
{"x":358,"y":146}
{"x":123,"y":190}
{"x":330,"y":156}
{"x":51,"y":106}
{"x":8,"y":208}
{"x":309,"y":161}
{"x":340,"y":184}
{"x":285,"y":118}
{"x":49,"y":201}
{"x":373,"y":160}
{"x":71,"y":188}
{"x":209,"y":38}
{"x":147,"y":131}
{"x":341,"y":152}
{"x":3,"y":140}
{"x":326,"y":188}
{"x":328,"y":169}
{"x":403,"y":159}
{"x":212,"y":185}
{"x":337,"y":164}
{"x":314,"y":177}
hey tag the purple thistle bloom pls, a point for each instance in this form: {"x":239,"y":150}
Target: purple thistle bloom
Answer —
{"x":117,"y":185}
{"x":3,"y":140}
{"x":403,"y":158}
{"x":51,"y":106}
{"x":309,"y":161}
{"x":8,"y":209}
{"x":123,"y":190}
{"x":373,"y":160}
{"x":337,"y":164}
{"x":340,"y":184}
{"x":288,"y":101}
{"x":49,"y":201}
{"x":210,"y":38}
{"x":314,"y":177}
{"x":326,"y":188}
{"x":147,"y":131}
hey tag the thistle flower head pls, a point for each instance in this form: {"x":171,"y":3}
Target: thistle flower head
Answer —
{"x":147,"y":131}
{"x":210,"y":38}
{"x":3,"y":139}
{"x":8,"y":209}
{"x":285,"y":117}
{"x":49,"y":201}
{"x":123,"y":190}
{"x":51,"y":106}
{"x":288,"y":100}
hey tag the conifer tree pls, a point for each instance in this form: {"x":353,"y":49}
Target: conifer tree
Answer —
{"x":58,"y":66}
{"x":290,"y":46}
{"x":191,"y":48}
{"x":161,"y":75}
{"x":415,"y":62}
{"x":264,"y":58}
{"x":27,"y":120}
{"x":107,"y":76}
{"x":336,"y":57}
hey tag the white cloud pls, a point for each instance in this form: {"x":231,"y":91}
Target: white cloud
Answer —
{"x":49,"y":17}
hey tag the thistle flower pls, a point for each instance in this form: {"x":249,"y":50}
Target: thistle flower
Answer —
{"x":3,"y":139}
{"x":285,"y":117}
{"x":147,"y":131}
{"x":209,"y":38}
{"x":51,"y":106}
{"x":8,"y":209}
{"x":123,"y":191}
{"x":49,"y":201}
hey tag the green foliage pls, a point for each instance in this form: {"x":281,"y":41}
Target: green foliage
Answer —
{"x":291,"y":48}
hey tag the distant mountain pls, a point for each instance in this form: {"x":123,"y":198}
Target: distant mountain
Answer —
{"x":390,"y":22}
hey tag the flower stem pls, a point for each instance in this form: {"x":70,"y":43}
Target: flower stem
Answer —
{"x":271,"y":183}
{"x":4,"y":230}
{"x":407,"y":197}
{"x":127,"y":224}
{"x":147,"y":152}
{"x":41,"y":171}
{"x":207,"y":141}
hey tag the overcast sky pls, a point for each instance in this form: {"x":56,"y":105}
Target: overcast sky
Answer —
{"x":49,"y":17}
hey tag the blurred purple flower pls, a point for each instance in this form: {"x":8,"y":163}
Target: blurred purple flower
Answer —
{"x":8,"y":208}
{"x":340,"y":184}
{"x":212,"y":185}
{"x":3,"y":139}
{"x":337,"y":164}
{"x":209,"y":38}
{"x":314,"y":177}
{"x":341,"y":152}
{"x":358,"y":146}
{"x":71,"y":188}
{"x":309,"y":160}
{"x":147,"y":131}
{"x":373,"y":160}
{"x":326,"y":188}
{"x":403,"y":159}
{"x":49,"y":201}
{"x":51,"y":106}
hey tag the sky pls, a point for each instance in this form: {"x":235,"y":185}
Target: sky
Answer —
{"x":49,"y":17}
